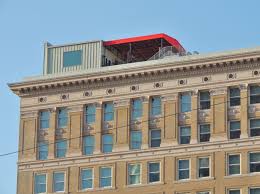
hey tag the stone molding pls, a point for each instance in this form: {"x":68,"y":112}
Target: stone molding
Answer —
{"x":169,"y":97}
{"x":121,"y":103}
{"x":29,"y":114}
{"x":218,"y":91}
{"x":75,"y":108}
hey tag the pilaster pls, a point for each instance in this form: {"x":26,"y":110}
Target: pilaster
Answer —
{"x":194,"y":117}
{"x":98,"y":129}
{"x":145,"y":123}
{"x":51,"y":134}
{"x":244,"y":110}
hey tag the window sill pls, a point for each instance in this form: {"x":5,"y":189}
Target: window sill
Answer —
{"x":195,"y":180}
{"x":242,"y":175}
{"x":96,"y":189}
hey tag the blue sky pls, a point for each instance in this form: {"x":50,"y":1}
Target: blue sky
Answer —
{"x":201,"y":25}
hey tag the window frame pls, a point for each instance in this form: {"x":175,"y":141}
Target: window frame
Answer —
{"x":249,"y":188}
{"x":234,"y":97}
{"x":250,"y":94}
{"x":199,"y":138}
{"x":106,"y":112}
{"x":253,"y":128}
{"x":151,"y":139}
{"x":249,"y":163}
{"x":44,"y":119}
{"x":59,"y":118}
{"x":178,"y":169}
{"x":229,"y":128}
{"x":53,"y":182}
{"x":131,"y":142}
{"x":140,"y":174}
{"x":136,"y":110}
{"x":184,"y":136}
{"x":201,"y":101}
{"x":152,"y":107}
{"x":103,"y":145}
{"x":160,"y":174}
{"x":228,"y":164}
{"x":198,"y":167}
{"x":92,"y":178}
{"x":46,"y":182}
{"x":181,"y":103}
{"x":86,"y":114}
{"x":84,"y":145}
{"x":111,"y":177}
{"x":39,"y":150}
{"x":233,"y":189}
{"x":69,"y":65}
{"x":56,"y":148}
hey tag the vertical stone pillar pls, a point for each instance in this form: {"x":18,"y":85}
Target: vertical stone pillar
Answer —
{"x":220,"y":172}
{"x":75,"y":130}
{"x":51,"y":133}
{"x":145,"y":123}
{"x":244,"y":95}
{"x":28,"y":136}
{"x":218,"y":114}
{"x":120,"y":170}
{"x":73,"y":183}
{"x":170,"y":119}
{"x":25,"y":182}
{"x":194,"y":117}
{"x":98,"y":128}
{"x":122,"y":125}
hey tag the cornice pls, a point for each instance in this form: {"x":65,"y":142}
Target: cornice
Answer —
{"x":150,"y":71}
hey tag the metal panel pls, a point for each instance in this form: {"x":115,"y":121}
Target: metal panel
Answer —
{"x":91,"y":57}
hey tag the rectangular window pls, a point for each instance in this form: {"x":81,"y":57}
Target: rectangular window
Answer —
{"x":134,"y":174}
{"x":58,"y":182}
{"x":233,"y":164}
{"x":105,"y":177}
{"x":44,"y":119}
{"x":88,"y":142}
{"x":254,"y":162}
{"x":86,"y":178}
{"x":108,"y":111}
{"x":107,"y":143}
{"x":61,"y":148}
{"x":155,"y":138}
{"x":254,"y":190}
{"x":62,"y":117}
{"x":204,"y":100}
{"x":135,"y":140}
{"x":254,"y":127}
{"x":154,"y":172}
{"x":204,"y":170}
{"x":43,"y":150}
{"x":254,"y":94}
{"x":204,"y":133}
{"x":90,"y":114}
{"x":183,"y":169}
{"x":185,"y":133}
{"x":234,"y":129}
{"x":234,"y":191}
{"x":72,"y":58}
{"x":234,"y":97}
{"x":40,"y":183}
{"x":155,"y":106}
{"x":137,"y":108}
{"x":185,"y":102}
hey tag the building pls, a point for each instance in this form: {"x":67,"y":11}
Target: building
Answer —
{"x":140,"y":115}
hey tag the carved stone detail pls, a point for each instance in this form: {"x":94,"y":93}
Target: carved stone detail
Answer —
{"x":243,"y":86}
{"x":232,"y":111}
{"x":218,"y":91}
{"x":76,"y":108}
{"x":169,"y":97}
{"x":29,"y":114}
{"x":253,"y":109}
{"x":122,"y":102}
{"x":183,"y":117}
{"x":203,"y":115}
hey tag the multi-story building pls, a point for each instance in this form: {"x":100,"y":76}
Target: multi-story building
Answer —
{"x":140,"y":115}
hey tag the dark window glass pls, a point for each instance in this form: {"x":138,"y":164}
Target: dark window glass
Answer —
{"x":234,"y":164}
{"x":254,"y":94}
{"x":72,"y":58}
{"x":234,"y":130}
{"x":185,"y":102}
{"x":154,"y":172}
{"x":234,"y":97}
{"x":185,"y":133}
{"x":155,"y":138}
{"x":204,"y":100}
{"x":255,"y":162}
{"x":254,"y":127}
{"x":183,"y":169}
{"x":203,"y":167}
{"x":204,"y":133}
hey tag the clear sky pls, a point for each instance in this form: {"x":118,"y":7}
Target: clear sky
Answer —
{"x":200,"y":25}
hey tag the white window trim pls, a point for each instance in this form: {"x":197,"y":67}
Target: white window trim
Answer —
{"x":128,"y":175}
{"x":92,"y":178}
{"x":178,"y":174}
{"x":106,"y":177}
{"x":160,"y":170}
{"x":240,"y":164}
{"x":253,"y":162}
{"x":198,"y":167}
{"x":233,"y":189}
{"x":46,"y":175}
{"x":64,"y":182}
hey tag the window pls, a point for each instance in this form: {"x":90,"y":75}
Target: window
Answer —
{"x":134,"y":174}
{"x":254,"y":94}
{"x":254,"y":190}
{"x":72,"y":58}
{"x":108,"y":111}
{"x":234,"y":191}
{"x":155,"y":106}
{"x":62,"y":117}
{"x":43,"y":150}
{"x":40,"y":183}
{"x":203,"y":192}
{"x":58,"y":182}
{"x":107,"y":142}
{"x":204,"y":170}
{"x":234,"y":129}
{"x":135,"y":140}
{"x":137,"y":108}
{"x":154,"y":172}
{"x":61,"y":148}
{"x":88,"y":142}
{"x":86,"y":178}
{"x":105,"y":177}
{"x":233,"y":164}
{"x":185,"y":102}
{"x":254,"y":127}
{"x":204,"y":133}
{"x":185,"y":133}
{"x":234,"y":97}
{"x":254,"y":162}
{"x":90,"y":114}
{"x":44,"y":119}
{"x":183,"y":169}
{"x":155,"y":138}
{"x":204,"y":100}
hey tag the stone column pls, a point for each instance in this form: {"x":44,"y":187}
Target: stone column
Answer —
{"x":218,"y":114}
{"x":244,"y":95}
{"x":194,"y":117}
{"x":122,"y":125}
{"x":170,"y":117}
{"x":145,"y":123}
{"x":51,"y":133}
{"x":28,"y":136}
{"x":75,"y":130}
{"x":98,"y":129}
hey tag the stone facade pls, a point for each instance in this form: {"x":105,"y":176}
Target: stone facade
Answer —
{"x":167,"y":79}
